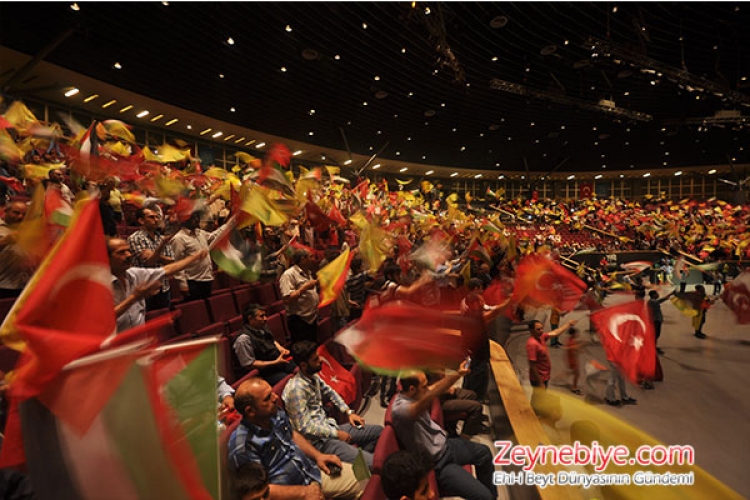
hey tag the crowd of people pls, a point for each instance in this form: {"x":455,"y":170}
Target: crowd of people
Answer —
{"x":417,"y":245}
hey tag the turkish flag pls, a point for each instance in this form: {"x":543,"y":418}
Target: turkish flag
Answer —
{"x":541,"y":280}
{"x":336,"y":376}
{"x":627,"y":334}
{"x":736,"y":296}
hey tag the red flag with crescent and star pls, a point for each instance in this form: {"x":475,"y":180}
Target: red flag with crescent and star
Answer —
{"x":736,"y":296}
{"x":336,"y":376}
{"x":541,"y":280}
{"x":627,"y":334}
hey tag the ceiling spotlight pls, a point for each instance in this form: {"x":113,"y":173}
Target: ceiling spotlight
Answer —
{"x":74,"y":6}
{"x":364,"y":103}
{"x":348,"y":162}
{"x":311,"y":112}
{"x":571,"y":177}
{"x":429,"y":172}
{"x":622,"y":176}
{"x":647,"y":174}
{"x":463,"y":148}
{"x":126,"y":108}
{"x":377,"y":78}
{"x":297,"y":153}
{"x":283,"y":69}
{"x":614,"y":9}
{"x":454,"y":174}
{"x":478,"y":176}
{"x":364,"y":26}
{"x":91,"y":98}
{"x":189,"y":127}
{"x":240,"y":140}
{"x":678,"y":173}
{"x":288,"y":29}
{"x":217,"y":134}
{"x":260,"y":145}
{"x":117,"y":65}
{"x":403,"y":50}
{"x":337,"y":57}
{"x":597,"y":177}
{"x":71,"y":92}
{"x":142,"y":114}
{"x":232,"y":109}
{"x":712,"y":171}
{"x":156,"y":118}
{"x":204,"y":132}
{"x":494,"y":59}
{"x":311,"y":133}
{"x":230,"y":40}
{"x":376,"y":166}
{"x":427,"y":11}
{"x":404,"y":169}
{"x":171,"y":122}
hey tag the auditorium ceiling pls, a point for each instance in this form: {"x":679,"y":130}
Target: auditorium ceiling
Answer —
{"x":528,"y":86}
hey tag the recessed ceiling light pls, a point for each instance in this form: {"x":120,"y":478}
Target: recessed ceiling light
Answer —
{"x":75,"y":7}
{"x":463,"y":148}
{"x":404,"y":169}
{"x":376,"y":166}
{"x":678,"y":173}
{"x":376,"y":78}
{"x":165,"y":4}
{"x":322,"y":157}
{"x":364,"y":103}
{"x":403,"y":50}
{"x":189,"y":127}
{"x":91,"y":98}
{"x":71,"y":92}
{"x":204,"y":132}
{"x":311,"y":133}
{"x":230,"y":40}
{"x":117,"y":65}
{"x":614,"y":9}
{"x":424,"y":157}
{"x":478,"y":176}
{"x":712,"y":171}
{"x":283,"y":69}
{"x":571,"y":177}
{"x":337,"y":57}
{"x":229,"y":137}
{"x":566,"y":42}
{"x":348,"y":162}
{"x":232,"y":109}
{"x":364,"y":26}
{"x":454,"y":174}
{"x":622,"y":176}
{"x":260,"y":145}
{"x":142,"y":114}
{"x":647,"y":174}
{"x":427,"y":11}
{"x":411,"y":94}
{"x":429,"y":172}
{"x":240,"y":140}
{"x":398,"y":153}
{"x":311,"y":112}
{"x":288,"y":29}
{"x":523,"y":177}
{"x":497,"y":164}
{"x":217,"y":134}
{"x":297,"y":153}
{"x":597,"y":177}
{"x":156,"y":118}
{"x":108,"y":104}
{"x":494,"y":59}
{"x":221,"y":75}
{"x":126,"y":108}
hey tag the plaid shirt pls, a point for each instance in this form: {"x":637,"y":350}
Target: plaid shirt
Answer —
{"x":140,"y":241}
{"x":303,"y":399}
{"x":275,"y":449}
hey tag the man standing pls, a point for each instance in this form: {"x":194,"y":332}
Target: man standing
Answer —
{"x":256,"y":349}
{"x":654,"y":307}
{"x":151,"y":250}
{"x":300,"y":297}
{"x":415,"y":429}
{"x":294,"y":465}
{"x":132,"y":285}
{"x":536,"y":349}
{"x":195,"y":281}
{"x":15,"y":267}
{"x":304,"y":396}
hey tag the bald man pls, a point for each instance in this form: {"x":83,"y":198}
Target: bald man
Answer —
{"x":15,"y":267}
{"x":295,"y":468}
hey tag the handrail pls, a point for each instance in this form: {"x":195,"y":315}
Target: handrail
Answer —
{"x":526,"y":426}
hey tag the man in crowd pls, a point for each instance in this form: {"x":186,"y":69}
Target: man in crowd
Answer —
{"x":151,"y":250}
{"x":304,"y":396}
{"x":540,"y":366}
{"x":132,"y":285}
{"x":405,"y":476}
{"x":296,"y":469}
{"x":250,"y":482}
{"x":415,"y":429}
{"x":255,"y":348}
{"x":15,"y":267}
{"x":195,"y":281}
{"x":300,"y":297}
{"x":654,"y":307}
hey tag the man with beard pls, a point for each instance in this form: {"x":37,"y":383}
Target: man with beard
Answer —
{"x":304,"y":397}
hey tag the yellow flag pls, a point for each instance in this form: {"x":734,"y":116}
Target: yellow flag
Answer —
{"x":257,"y":203}
{"x":332,"y":278}
{"x":20,"y":116}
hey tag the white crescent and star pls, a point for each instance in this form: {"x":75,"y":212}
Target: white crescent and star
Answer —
{"x":89,"y":271}
{"x":619,"y":319}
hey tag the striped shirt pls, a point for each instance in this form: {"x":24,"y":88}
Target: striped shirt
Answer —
{"x":303,"y":399}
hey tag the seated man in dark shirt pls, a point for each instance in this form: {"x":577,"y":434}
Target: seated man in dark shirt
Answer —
{"x":296,"y":470}
{"x":256,"y":349}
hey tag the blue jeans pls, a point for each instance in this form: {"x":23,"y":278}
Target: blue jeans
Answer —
{"x":455,"y":481}
{"x":366,"y":438}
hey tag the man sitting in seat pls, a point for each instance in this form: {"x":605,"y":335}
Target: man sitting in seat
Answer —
{"x":405,"y":476}
{"x":256,"y":349}
{"x":294,"y":466}
{"x":414,"y":428}
{"x":304,"y":397}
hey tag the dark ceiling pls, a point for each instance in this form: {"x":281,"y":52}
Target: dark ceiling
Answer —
{"x":416,"y":79}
